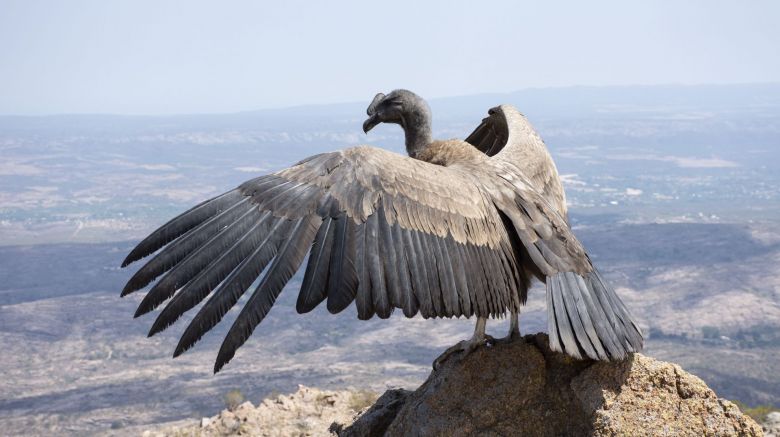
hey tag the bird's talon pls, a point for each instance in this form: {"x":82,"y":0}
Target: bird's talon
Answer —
{"x":465,"y":346}
{"x":460,"y":346}
{"x":510,"y":338}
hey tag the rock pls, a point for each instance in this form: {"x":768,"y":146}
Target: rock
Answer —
{"x":376,"y":419}
{"x":307,"y":412}
{"x":523,"y":388}
{"x":771,"y":424}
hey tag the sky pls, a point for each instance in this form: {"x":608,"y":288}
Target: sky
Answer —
{"x":167,"y":57}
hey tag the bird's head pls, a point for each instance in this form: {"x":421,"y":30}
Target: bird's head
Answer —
{"x":400,"y":107}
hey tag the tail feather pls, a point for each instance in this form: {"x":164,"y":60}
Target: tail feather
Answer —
{"x":566,"y":333}
{"x":597,"y":315}
{"x":633,"y":331}
{"x":586,"y":318}
{"x":581,"y":313}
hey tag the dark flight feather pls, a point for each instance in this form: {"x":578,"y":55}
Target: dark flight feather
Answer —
{"x":599,"y":318}
{"x":459,"y":275}
{"x":379,"y":297}
{"x":185,"y":245}
{"x":232,"y":288}
{"x":427,"y":255}
{"x":363,"y":300}
{"x":287,"y":261}
{"x":315,"y":279}
{"x":181,"y":224}
{"x":195,"y":262}
{"x":494,"y":284}
{"x":449,"y":289}
{"x":208,"y":279}
{"x":418,"y":273}
{"x":409,"y":302}
{"x":342,"y":280}
{"x":480,"y":295}
{"x":389,"y":259}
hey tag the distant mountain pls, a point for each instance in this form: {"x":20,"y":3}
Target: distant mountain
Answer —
{"x":648,"y":152}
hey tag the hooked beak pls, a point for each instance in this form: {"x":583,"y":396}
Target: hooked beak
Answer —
{"x":370,"y":123}
{"x":373,"y":118}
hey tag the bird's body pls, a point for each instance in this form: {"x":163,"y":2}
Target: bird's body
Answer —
{"x":458,"y":228}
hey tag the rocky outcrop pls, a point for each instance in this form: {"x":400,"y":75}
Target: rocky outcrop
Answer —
{"x":771,"y":424}
{"x":523,"y":388}
{"x":519,"y":388}
{"x":307,"y":412}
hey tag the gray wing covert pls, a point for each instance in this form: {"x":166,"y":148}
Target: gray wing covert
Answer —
{"x":507,"y":136}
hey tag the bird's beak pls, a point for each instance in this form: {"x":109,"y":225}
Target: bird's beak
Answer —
{"x":370,"y":123}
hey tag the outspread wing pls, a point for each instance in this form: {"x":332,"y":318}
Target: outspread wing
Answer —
{"x":380,"y":229}
{"x":508,"y":136}
{"x":585,"y":316}
{"x":491,"y":136}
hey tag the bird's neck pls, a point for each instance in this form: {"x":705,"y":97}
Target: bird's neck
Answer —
{"x":418,"y":135}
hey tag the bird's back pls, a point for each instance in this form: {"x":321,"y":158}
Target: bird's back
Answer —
{"x":452,"y":152}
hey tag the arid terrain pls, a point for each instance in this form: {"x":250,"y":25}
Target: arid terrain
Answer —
{"x":675,"y":193}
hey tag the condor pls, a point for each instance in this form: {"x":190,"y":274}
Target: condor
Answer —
{"x":457,"y":228}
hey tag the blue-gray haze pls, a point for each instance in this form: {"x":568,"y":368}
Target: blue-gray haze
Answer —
{"x":156,"y":57}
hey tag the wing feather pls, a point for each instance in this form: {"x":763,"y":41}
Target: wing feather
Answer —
{"x":287,"y":261}
{"x":343,"y":279}
{"x":188,"y":243}
{"x":381,"y":230}
{"x":196,"y":262}
{"x":364,"y":299}
{"x":181,"y":224}
{"x":418,"y":272}
{"x":208,"y":279}
{"x":231,"y":289}
{"x":376,"y":271}
{"x":315,"y":280}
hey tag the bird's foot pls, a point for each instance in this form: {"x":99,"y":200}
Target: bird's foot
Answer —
{"x":513,"y":336}
{"x":465,"y":346}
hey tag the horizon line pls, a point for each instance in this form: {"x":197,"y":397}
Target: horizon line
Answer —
{"x":433,"y":99}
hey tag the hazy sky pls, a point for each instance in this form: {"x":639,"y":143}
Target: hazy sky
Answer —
{"x":153,"y":57}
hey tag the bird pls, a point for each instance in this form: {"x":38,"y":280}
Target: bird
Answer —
{"x":457,"y":228}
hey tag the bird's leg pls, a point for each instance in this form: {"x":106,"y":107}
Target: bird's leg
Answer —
{"x":514,"y":328}
{"x":467,"y":346}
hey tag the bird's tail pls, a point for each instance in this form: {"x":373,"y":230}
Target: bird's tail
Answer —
{"x":586,"y":318}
